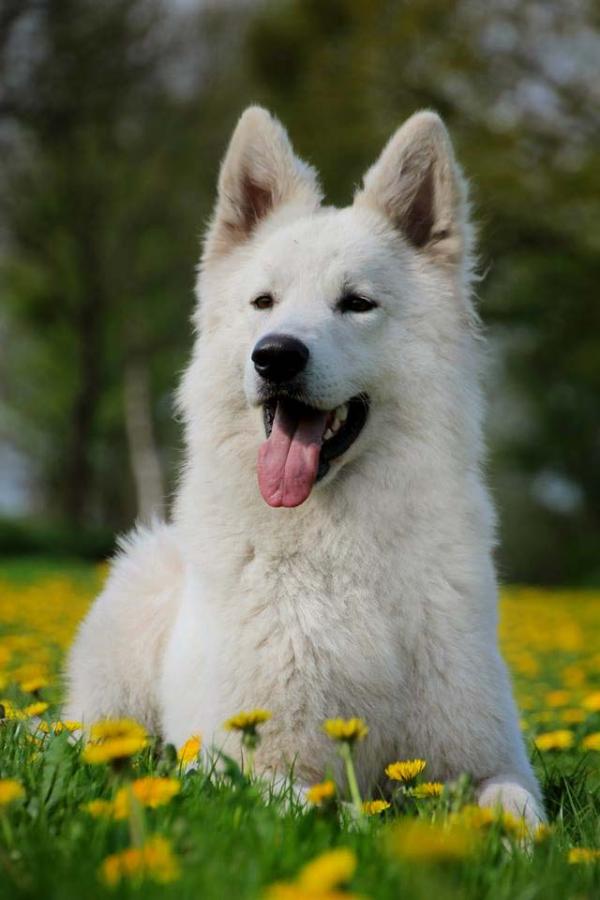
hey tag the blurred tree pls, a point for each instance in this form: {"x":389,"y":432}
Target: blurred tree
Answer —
{"x":74,"y":104}
{"x":110,"y":180}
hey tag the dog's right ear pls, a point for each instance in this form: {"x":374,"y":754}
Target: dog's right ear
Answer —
{"x":260,"y":172}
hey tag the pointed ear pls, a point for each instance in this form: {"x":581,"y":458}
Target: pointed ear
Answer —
{"x":259,"y":173}
{"x":417,"y":184}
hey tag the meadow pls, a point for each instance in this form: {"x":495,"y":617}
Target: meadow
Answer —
{"x":123,"y":816}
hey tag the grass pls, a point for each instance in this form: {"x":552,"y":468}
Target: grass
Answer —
{"x":228,"y":836}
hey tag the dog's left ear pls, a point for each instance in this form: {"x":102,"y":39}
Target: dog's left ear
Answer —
{"x":260,"y":172}
{"x":417,"y":184}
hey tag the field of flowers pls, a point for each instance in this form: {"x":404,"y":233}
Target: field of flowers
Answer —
{"x":122,"y":816}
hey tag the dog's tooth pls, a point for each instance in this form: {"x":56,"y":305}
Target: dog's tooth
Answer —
{"x":336,"y":425}
{"x":341,"y":412}
{"x":328,"y":434}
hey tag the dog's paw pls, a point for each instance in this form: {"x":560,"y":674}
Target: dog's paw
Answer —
{"x":513,"y":798}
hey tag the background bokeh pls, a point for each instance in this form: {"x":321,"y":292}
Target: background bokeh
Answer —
{"x":113,"y":118}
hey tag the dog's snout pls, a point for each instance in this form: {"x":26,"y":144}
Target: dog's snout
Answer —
{"x":279,"y":357}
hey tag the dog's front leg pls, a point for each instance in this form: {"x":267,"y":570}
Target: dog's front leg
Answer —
{"x":469,"y":723}
{"x":508,"y":792}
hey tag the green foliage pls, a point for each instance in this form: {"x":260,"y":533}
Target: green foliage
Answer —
{"x":54,"y":540}
{"x":104,"y":204}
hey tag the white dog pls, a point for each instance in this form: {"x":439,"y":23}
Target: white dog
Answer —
{"x":337,"y":358}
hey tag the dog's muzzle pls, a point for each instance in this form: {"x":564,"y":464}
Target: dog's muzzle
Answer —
{"x":280,"y":357}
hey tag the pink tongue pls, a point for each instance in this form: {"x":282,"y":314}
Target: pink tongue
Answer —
{"x":289,"y":459}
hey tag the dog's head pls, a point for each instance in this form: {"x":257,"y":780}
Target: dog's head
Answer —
{"x":328,"y":308}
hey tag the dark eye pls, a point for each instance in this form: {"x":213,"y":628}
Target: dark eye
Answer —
{"x":265,"y":301}
{"x":352,"y":303}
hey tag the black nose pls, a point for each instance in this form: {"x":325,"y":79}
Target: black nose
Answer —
{"x":279,"y":357}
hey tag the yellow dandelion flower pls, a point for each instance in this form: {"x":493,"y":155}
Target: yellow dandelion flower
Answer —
{"x":247,"y":721}
{"x":99,"y":809}
{"x":31,"y":685}
{"x":121,"y":807}
{"x":30,"y":674}
{"x":427,"y":789}
{"x":543,"y":832}
{"x":10,"y":790}
{"x":555,"y":740}
{"x":328,"y":871}
{"x":591,"y":741}
{"x":375,"y":807}
{"x":515,"y":825}
{"x":592,"y":702}
{"x":154,"y":860}
{"x":527,"y":665}
{"x":108,"y":729}
{"x":69,"y":725}
{"x":573,"y":716}
{"x":321,"y":793}
{"x":34,"y":709}
{"x":8,"y":710}
{"x":115,"y":749}
{"x":189,"y":751}
{"x":283,"y":890}
{"x":151,"y":791}
{"x":546,"y":715}
{"x":583,"y":855}
{"x":418,"y":841}
{"x":405,"y":770}
{"x":527,"y":702}
{"x":348,"y":730}
{"x":573,"y":676}
{"x":59,"y":726}
{"x":481,"y":817}
{"x":114,"y":739}
{"x":557,"y":698}
{"x":473,"y":816}
{"x":290,"y":891}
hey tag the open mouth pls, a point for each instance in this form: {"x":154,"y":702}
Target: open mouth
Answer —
{"x":301,"y":443}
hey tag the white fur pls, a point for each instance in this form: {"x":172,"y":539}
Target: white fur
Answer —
{"x":377,"y":597}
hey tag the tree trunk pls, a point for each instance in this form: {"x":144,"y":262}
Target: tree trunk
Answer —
{"x":78,"y":467}
{"x":143,"y":452}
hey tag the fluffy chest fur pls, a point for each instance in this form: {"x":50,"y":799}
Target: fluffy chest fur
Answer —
{"x":331,"y":613}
